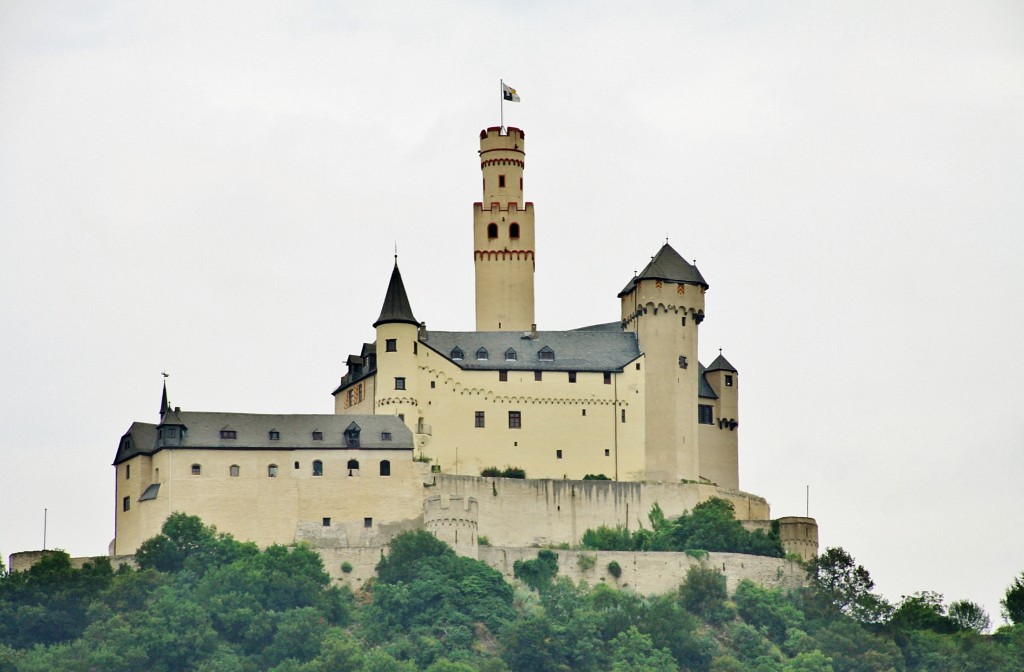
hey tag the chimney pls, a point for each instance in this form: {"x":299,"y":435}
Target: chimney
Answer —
{"x":533,"y":331}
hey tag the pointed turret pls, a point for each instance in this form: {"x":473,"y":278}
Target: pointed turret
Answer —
{"x":396,"y":306}
{"x":721,"y":364}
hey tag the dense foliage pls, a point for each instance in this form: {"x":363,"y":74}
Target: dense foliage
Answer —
{"x":203,"y":601}
{"x":711,"y":526}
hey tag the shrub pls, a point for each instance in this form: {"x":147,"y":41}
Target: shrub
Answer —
{"x":596,"y":477}
{"x":586,"y":562}
{"x":490,"y":472}
{"x":482,"y":540}
{"x":514,"y":472}
{"x":537,"y":573}
{"x":346,"y":567}
{"x":615,"y":569}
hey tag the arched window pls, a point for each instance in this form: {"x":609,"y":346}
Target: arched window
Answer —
{"x":272,"y":471}
{"x":353,"y":467}
{"x":546,"y":354}
{"x":492,"y":231}
{"x":513,"y":230}
{"x":457,"y":353}
{"x":510,"y":355}
{"x":234,"y":470}
{"x":196,"y":469}
{"x":385,"y":468}
{"x":481,"y":353}
{"x":318,"y":468}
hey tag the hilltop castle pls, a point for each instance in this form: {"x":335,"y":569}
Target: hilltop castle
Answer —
{"x":419,"y":413}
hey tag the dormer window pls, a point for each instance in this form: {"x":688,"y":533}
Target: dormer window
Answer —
{"x":352,"y":436}
{"x":318,"y":436}
{"x":172,"y":432}
{"x":510,"y":355}
{"x":481,"y":353}
{"x":546,"y":354}
{"x":457,"y":353}
{"x":385,"y":436}
{"x":274,"y":435}
{"x":228,"y":434}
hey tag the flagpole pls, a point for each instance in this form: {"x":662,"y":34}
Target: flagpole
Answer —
{"x":501,"y":103}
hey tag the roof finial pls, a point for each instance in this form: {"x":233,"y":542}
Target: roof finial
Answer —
{"x":666,"y":240}
{"x":396,"y":253}
{"x":719,"y":351}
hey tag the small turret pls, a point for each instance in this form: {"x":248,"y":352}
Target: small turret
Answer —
{"x":719,"y":433}
{"x":396,"y":306}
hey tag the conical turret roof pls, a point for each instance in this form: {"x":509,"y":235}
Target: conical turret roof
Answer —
{"x":721,"y":364}
{"x":669,"y":265}
{"x":396,"y":306}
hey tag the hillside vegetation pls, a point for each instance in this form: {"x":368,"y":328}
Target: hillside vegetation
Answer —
{"x":203,"y":601}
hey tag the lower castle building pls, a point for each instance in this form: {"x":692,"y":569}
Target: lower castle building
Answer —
{"x":419,"y":414}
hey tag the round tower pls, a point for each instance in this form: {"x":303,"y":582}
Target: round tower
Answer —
{"x":397,"y":383}
{"x":664,"y":304}
{"x":503,"y":240}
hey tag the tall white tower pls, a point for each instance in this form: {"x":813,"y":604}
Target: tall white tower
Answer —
{"x":503,"y":241}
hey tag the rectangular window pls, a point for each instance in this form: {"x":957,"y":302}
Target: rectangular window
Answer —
{"x":572,"y":376}
{"x":127,"y":471}
{"x":682,"y":362}
{"x":385,"y":436}
{"x":705,"y":414}
{"x":126,"y":503}
{"x":318,"y":436}
{"x":415,"y":348}
{"x":607,"y":453}
{"x":558,"y":454}
{"x":584,"y":412}
{"x":367,"y":522}
{"x":503,"y":376}
{"x":623,"y":415}
{"x":638,"y":366}
{"x":327,"y":522}
{"x":479,"y":420}
{"x":515,"y":420}
{"x":196,"y":469}
{"x":433,"y":384}
{"x":274,"y":435}
{"x":607,"y":378}
{"x":228,"y":434}
{"x":391,"y":345}
{"x":501,"y":181}
{"x":728,"y":381}
{"x":296,"y":465}
{"x":399,"y":383}
{"x":172,"y":432}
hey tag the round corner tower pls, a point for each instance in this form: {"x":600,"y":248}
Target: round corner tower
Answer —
{"x":503,"y":236}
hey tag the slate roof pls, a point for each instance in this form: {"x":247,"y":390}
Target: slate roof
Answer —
{"x":667,"y":264}
{"x":704,"y":389}
{"x":252,"y":432}
{"x":587,"y":350}
{"x":721,"y":364}
{"x":396,"y":306}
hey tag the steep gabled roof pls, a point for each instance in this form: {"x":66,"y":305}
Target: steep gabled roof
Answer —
{"x":667,"y":264}
{"x":721,"y":364}
{"x":396,"y":306}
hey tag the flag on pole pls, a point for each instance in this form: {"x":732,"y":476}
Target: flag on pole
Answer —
{"x":508,"y":93}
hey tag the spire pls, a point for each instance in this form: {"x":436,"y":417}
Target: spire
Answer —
{"x":396,"y":302}
{"x":164,"y":404}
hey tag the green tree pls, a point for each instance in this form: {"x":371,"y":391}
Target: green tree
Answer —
{"x":921,"y":611}
{"x":633,"y":651}
{"x":184,"y":541}
{"x":704,"y":594}
{"x":766,"y":609}
{"x":539,"y":572}
{"x":1013,"y":601}
{"x":969,"y":616}
{"x":836,"y":580}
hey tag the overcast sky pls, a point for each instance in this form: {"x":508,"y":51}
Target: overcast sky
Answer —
{"x":215,"y":190}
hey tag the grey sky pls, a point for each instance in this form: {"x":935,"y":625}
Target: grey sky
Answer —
{"x":215,"y":189}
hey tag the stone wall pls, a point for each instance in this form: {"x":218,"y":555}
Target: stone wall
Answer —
{"x":539,"y":512}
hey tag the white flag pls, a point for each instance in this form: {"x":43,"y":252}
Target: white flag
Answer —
{"x":508,"y":93}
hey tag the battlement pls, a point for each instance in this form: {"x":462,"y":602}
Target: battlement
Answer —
{"x":510,"y":206}
{"x":493,"y":138}
{"x":453,"y":519}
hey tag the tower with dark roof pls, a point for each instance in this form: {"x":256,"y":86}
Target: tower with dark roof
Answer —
{"x":396,"y":383}
{"x":503,"y":240}
{"x":663,"y":305}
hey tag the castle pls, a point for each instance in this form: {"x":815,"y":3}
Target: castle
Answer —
{"x":420,"y":413}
